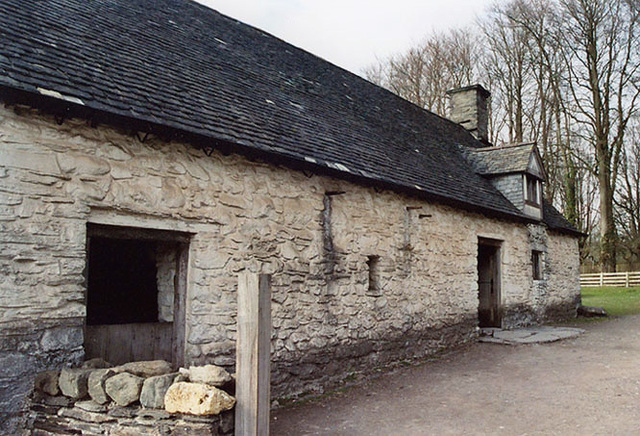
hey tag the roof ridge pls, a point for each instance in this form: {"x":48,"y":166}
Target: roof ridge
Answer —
{"x":500,"y":147}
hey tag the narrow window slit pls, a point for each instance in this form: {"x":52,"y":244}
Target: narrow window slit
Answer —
{"x":373,"y":265}
{"x":536,"y":262}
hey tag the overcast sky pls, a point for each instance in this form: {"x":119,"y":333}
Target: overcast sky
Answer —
{"x":351,"y":33}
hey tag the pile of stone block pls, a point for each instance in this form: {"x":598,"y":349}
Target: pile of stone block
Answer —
{"x":102,"y":398}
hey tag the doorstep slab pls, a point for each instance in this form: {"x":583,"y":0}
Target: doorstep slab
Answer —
{"x":529,"y":335}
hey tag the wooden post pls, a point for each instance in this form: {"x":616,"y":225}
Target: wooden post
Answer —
{"x":626,"y":282}
{"x":601,"y":279}
{"x":179,"y":304}
{"x":253,"y":355}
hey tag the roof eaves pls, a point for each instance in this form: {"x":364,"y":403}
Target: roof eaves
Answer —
{"x":100,"y":113}
{"x":571,"y":232}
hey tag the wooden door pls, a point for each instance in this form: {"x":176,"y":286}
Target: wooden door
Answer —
{"x":489,"y":310}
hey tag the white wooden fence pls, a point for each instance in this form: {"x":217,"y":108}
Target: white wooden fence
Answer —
{"x":619,"y":279}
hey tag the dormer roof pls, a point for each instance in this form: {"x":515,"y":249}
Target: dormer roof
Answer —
{"x":516,"y":158}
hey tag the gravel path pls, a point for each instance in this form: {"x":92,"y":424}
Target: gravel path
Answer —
{"x":589,"y":385}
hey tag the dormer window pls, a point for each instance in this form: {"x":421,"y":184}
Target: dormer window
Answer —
{"x":533,"y":193}
{"x":516,"y":171}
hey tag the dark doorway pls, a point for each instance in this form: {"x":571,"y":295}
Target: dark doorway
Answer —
{"x":123,"y":286}
{"x":489,"y":308}
{"x":136,"y":288}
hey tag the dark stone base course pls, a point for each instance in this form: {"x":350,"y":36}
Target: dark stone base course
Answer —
{"x":26,"y":349}
{"x":302,"y":373}
{"x":524,"y":316}
{"x":317,"y":371}
{"x":517,"y":316}
{"x":48,"y":420}
{"x":561,"y":312}
{"x":590,"y":312}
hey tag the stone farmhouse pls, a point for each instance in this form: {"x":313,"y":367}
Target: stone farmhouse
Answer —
{"x":151,"y":151}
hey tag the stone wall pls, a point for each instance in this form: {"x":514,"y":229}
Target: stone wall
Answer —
{"x":563,"y":267}
{"x":557,"y":294}
{"x":319,"y":237}
{"x":138,"y":398}
{"x":166,"y":264}
{"x":49,"y":418}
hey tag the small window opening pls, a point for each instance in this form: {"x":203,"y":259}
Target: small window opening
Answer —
{"x":536,"y":262}
{"x":373,"y":264}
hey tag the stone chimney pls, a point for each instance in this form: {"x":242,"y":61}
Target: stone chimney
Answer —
{"x":470,"y":108}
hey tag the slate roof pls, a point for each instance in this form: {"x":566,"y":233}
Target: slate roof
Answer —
{"x":501,"y":160}
{"x":179,"y":64}
{"x":556,"y":221}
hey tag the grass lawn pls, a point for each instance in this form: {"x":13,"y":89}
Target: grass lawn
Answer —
{"x":616,"y":301}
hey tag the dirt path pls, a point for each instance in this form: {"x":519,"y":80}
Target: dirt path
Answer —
{"x":584,"y":386}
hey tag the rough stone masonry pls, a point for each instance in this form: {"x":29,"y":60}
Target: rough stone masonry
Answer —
{"x":360,"y":278}
{"x":141,"y":398}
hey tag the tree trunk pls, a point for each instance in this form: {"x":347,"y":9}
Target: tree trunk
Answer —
{"x":607,"y":225}
{"x":571,"y":193}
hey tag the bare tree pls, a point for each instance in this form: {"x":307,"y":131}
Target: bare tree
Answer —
{"x":593,"y":91}
{"x":547,"y":118}
{"x":524,"y":67}
{"x":424,"y":73}
{"x":506,"y":62}
{"x":564,"y":73}
{"x":628,"y":200}
{"x":600,"y":40}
